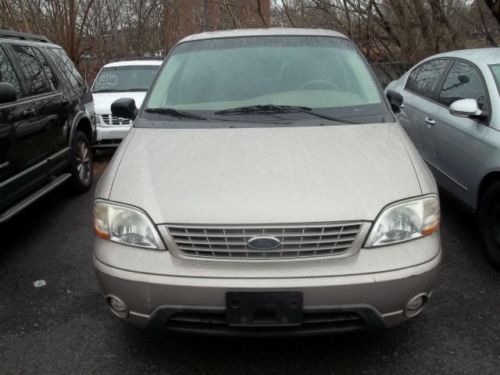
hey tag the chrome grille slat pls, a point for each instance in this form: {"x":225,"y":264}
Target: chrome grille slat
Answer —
{"x":175,"y":232}
{"x":113,"y":120}
{"x":285,"y":242}
{"x":296,"y":241}
{"x":244,"y":250}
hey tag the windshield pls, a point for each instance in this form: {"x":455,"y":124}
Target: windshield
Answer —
{"x":496,"y":73}
{"x":125,"y":78}
{"x":321,"y":73}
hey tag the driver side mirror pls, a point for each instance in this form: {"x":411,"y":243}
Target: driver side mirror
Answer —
{"x":466,"y":108}
{"x":8,"y":93}
{"x":125,"y":108}
{"x":395,"y":100}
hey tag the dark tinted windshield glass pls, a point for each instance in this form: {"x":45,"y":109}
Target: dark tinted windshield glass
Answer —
{"x":323,"y":73}
{"x":125,"y":78}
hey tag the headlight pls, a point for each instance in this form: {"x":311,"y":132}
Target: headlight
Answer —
{"x":405,"y":221}
{"x":126,"y":225}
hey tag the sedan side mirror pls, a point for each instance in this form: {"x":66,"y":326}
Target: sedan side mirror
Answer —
{"x":124,"y":108}
{"x":8,"y":93}
{"x":466,"y":108}
{"x":395,"y":100}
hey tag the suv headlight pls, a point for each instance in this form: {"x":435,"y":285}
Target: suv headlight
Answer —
{"x":405,"y":221}
{"x":126,"y":225}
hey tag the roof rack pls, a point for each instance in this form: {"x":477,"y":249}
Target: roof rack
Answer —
{"x":23,"y":36}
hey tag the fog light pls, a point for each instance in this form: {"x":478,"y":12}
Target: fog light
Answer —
{"x":416,"y":305}
{"x":117,"y":306}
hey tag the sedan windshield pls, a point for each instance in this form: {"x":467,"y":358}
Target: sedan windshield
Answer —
{"x":249,"y":76}
{"x":125,"y":78}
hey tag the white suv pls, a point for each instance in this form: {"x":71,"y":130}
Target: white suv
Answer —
{"x":117,"y":80}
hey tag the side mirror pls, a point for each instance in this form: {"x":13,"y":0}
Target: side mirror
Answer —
{"x":125,"y":108}
{"x":465,"y":108}
{"x":395,"y":100}
{"x":8,"y":93}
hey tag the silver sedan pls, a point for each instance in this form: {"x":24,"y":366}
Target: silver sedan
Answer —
{"x":451,"y":111}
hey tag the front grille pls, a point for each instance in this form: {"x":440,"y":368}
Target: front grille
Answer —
{"x":295,"y":241}
{"x":113,"y":120}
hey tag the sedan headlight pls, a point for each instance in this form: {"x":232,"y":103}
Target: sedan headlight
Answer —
{"x":126,"y":225}
{"x":405,"y":221}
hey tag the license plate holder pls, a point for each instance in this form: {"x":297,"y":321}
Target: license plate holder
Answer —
{"x":264,"y":308}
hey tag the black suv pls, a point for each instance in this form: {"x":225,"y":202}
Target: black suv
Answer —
{"x":46,"y":122}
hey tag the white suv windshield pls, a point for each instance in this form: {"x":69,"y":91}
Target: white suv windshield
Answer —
{"x":125,"y":78}
{"x":325,"y":73}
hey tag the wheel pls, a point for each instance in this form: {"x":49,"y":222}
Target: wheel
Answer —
{"x":489,"y":221}
{"x":82,"y":173}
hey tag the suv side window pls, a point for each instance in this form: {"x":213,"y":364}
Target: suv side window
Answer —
{"x":36,"y":80}
{"x":7,"y":73}
{"x":425,"y":78}
{"x":463,"y":82}
{"x":67,"y":67}
{"x":47,"y":69}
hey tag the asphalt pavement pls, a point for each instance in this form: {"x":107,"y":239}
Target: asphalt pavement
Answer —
{"x":64,"y":327}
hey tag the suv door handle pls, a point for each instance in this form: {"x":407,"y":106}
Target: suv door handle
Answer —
{"x":28,"y":112}
{"x":430,"y":122}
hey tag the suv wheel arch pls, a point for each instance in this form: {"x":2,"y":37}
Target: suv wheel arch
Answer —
{"x":82,"y":123}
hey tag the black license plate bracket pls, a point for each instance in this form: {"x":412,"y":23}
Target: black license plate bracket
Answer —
{"x":264,"y":308}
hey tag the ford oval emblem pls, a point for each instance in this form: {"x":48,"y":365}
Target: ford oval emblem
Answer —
{"x":264,"y":243}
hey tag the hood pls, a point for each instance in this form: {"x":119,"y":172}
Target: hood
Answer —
{"x":263,"y":175}
{"x":102,"y":101}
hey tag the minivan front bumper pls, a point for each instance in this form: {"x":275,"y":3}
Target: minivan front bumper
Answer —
{"x":331,"y":303}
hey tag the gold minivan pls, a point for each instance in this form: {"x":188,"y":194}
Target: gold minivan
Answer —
{"x":266,"y":188}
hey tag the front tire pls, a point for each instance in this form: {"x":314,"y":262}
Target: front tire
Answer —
{"x":82,"y":173}
{"x":489,"y":221}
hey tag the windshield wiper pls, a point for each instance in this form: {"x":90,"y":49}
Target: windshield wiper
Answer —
{"x":106,"y":90}
{"x":271,"y":108}
{"x":175,"y":113}
{"x":136,"y":89}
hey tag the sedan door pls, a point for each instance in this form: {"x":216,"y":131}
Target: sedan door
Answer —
{"x":455,"y":140}
{"x":417,"y":114}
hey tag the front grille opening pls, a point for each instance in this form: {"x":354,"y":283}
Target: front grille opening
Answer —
{"x":295,"y":241}
{"x":313,"y":322}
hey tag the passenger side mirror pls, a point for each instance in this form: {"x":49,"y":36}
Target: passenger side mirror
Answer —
{"x":8,"y":93}
{"x":125,"y":108}
{"x":466,"y":108}
{"x":395,"y":100}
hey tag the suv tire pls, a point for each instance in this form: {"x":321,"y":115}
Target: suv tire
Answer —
{"x":489,"y":221}
{"x":81,"y":163}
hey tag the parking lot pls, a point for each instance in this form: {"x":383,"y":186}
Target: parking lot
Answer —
{"x":64,"y":327}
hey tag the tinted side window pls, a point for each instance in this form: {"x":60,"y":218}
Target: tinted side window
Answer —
{"x":36,"y":80}
{"x":424,"y":79}
{"x":67,"y":67}
{"x":47,"y":69}
{"x":463,"y":82}
{"x":7,"y":73}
